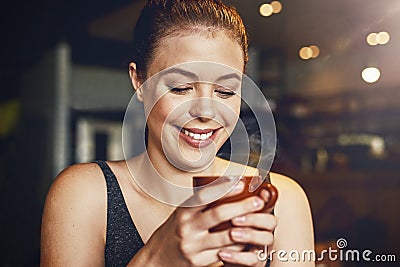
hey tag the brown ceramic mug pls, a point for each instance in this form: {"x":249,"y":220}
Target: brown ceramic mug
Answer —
{"x":248,"y":191}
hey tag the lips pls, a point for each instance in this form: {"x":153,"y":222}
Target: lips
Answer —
{"x":196,"y":137}
{"x":198,"y":134}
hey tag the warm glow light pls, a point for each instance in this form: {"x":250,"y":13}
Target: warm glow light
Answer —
{"x":305,"y":52}
{"x":377,"y":146}
{"x":383,"y":38}
{"x":266,"y":10}
{"x":378,"y":38}
{"x":314,"y":50}
{"x":372,"y":39}
{"x":308,"y":52}
{"x":371,"y":74}
{"x":276,"y":6}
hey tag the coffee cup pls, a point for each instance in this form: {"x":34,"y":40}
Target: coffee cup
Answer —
{"x":253,"y":185}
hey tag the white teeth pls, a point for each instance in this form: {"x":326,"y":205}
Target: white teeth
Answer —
{"x":197,"y":136}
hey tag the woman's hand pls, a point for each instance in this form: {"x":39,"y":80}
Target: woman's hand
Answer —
{"x":253,"y":228}
{"x":184,"y":239}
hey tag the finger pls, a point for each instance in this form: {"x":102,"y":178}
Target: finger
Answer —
{"x":220,"y":239}
{"x":212,"y":192}
{"x":198,"y":201}
{"x":235,"y":247}
{"x":226,"y":212}
{"x":234,"y":189}
{"x":265,"y":195}
{"x":220,"y":190}
{"x":217,"y":239}
{"x":206,"y":258}
{"x":247,"y":235}
{"x":210,"y":257}
{"x":269,"y":197}
{"x":262,"y":221}
{"x":241,"y":258}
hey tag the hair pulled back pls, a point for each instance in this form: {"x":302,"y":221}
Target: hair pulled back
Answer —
{"x":163,"y":18}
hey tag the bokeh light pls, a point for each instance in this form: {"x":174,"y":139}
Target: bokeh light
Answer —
{"x":371,"y":74}
{"x":315,"y":51}
{"x":276,"y":6}
{"x":266,"y":10}
{"x":308,"y":52}
{"x":383,"y":38}
{"x":305,"y":52}
{"x":371,"y":39}
{"x":380,"y":38}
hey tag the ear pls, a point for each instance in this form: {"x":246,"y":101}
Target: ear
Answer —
{"x":136,"y":83}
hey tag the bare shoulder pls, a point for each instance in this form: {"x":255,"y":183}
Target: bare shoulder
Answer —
{"x":294,"y":228}
{"x":82,"y":180}
{"x":292,"y":200}
{"x":74,"y":217}
{"x":288,"y":188}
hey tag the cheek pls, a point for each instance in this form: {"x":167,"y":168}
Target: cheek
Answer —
{"x":231,"y":112}
{"x":157,"y":117}
{"x":156,"y":120}
{"x":162,"y":113}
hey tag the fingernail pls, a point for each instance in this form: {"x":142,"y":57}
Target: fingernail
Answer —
{"x":265,"y":194}
{"x":240,"y":219}
{"x":225,"y":254}
{"x":257,"y":203}
{"x":237,"y":235}
{"x":238,"y":188}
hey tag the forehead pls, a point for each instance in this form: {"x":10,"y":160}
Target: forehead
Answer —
{"x":218,"y":48}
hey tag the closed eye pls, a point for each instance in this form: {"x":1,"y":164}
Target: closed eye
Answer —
{"x":224,"y":92}
{"x":180,"y":90}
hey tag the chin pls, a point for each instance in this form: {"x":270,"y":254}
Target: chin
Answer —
{"x":191,"y":161}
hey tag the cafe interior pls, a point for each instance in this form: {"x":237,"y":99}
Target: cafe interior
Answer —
{"x":330,"y":71}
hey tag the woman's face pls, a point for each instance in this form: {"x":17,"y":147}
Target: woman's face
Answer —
{"x":192,"y":100}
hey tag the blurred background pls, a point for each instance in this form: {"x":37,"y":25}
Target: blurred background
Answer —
{"x":330,"y":70}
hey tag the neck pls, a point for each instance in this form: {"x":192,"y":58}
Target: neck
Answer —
{"x":157,"y":164}
{"x":162,"y":181}
{"x":157,"y":177}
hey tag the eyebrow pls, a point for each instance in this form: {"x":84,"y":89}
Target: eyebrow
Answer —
{"x":194,"y":76}
{"x":180,"y":71}
{"x":229,"y":76}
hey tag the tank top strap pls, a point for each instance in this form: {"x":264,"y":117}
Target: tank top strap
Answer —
{"x":122,"y":237}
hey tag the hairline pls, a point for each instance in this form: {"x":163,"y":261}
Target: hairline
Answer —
{"x":200,"y":30}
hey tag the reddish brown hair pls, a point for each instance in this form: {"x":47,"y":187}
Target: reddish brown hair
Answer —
{"x":162,"y":18}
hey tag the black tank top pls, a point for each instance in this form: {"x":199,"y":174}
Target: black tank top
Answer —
{"x":122,"y":238}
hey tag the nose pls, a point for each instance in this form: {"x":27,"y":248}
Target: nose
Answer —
{"x":203,"y":108}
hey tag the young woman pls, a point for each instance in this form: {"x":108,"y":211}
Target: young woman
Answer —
{"x":95,"y":214}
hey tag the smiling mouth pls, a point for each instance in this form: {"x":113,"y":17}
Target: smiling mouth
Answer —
{"x":196,"y":137}
{"x":199,"y":134}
